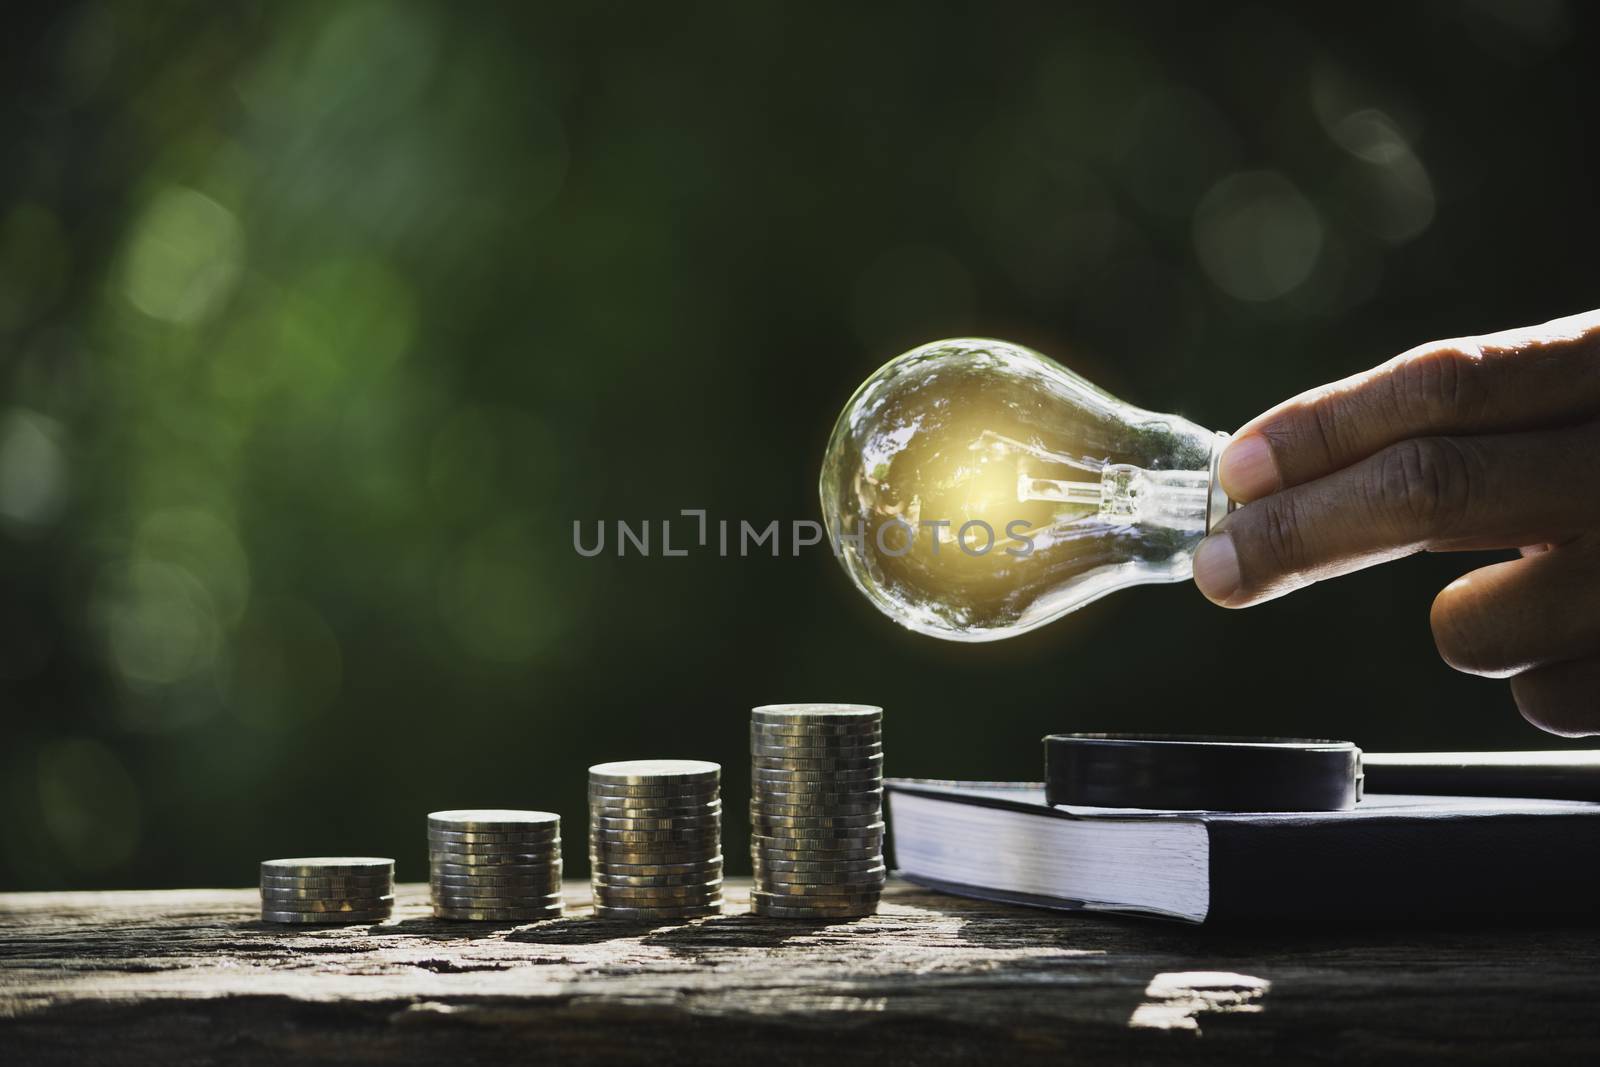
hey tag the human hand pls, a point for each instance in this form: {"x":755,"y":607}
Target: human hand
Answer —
{"x":1476,"y":443}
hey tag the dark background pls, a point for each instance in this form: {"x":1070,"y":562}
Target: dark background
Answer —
{"x":321,"y":323}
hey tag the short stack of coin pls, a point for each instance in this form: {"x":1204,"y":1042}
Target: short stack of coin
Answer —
{"x":327,"y":889}
{"x":494,"y":865}
{"x":816,"y":810}
{"x":655,"y":839}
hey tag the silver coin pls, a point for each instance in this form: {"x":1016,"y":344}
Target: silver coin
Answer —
{"x":634,"y":808}
{"x":868,"y":846}
{"x":494,"y":820}
{"x":871,"y":762}
{"x":325,"y":918}
{"x":820,"y":896}
{"x":772,"y":759}
{"x":828,"y":746}
{"x":606,"y":911}
{"x":813,"y":737}
{"x":478,"y":896}
{"x":871,"y":832}
{"x":649,"y":858}
{"x":655,"y":837}
{"x":656,"y":794}
{"x":487,"y":853}
{"x":482,"y":851}
{"x":796,"y":804}
{"x":787,"y":900}
{"x":818,"y":839}
{"x":550,"y":868}
{"x":796,"y":746}
{"x":500,"y":839}
{"x":453,"y":872}
{"x":697,"y":864}
{"x":788,"y":794}
{"x":513,"y":915}
{"x":815,"y":855}
{"x":625,"y":881}
{"x":767,"y":768}
{"x":627,"y":815}
{"x":492,"y":900}
{"x":820,"y":735}
{"x":703,"y":899}
{"x":847,"y":786}
{"x":379,"y":883}
{"x":646,"y":881}
{"x":653,"y":795}
{"x":763,"y":843}
{"x":491,"y":842}
{"x":874,"y":812}
{"x":700,"y":845}
{"x":633,"y":896}
{"x":370,"y":892}
{"x":869,"y":812}
{"x":601,"y":876}
{"x":821,"y":889}
{"x":679,"y":822}
{"x":547,"y":887}
{"x":358,"y":904}
{"x":548,"y":883}
{"x":495,"y":903}
{"x":805,"y":756}
{"x":493,"y":859}
{"x":655,"y":772}
{"x":872,"y":775}
{"x":871,"y":876}
{"x":812,"y":822}
{"x":824,"y":733}
{"x":795,"y":791}
{"x":495,"y":848}
{"x":825,"y":866}
{"x":809,"y":713}
{"x":328,"y":866}
{"x":777,"y":848}
{"x":293,"y":900}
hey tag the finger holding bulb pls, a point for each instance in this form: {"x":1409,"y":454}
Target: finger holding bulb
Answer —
{"x":1476,"y":443}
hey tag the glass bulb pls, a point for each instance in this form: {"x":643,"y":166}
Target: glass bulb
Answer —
{"x":976,"y":490}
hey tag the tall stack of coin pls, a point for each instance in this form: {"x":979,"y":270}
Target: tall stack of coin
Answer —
{"x":816,"y":810}
{"x":495,"y":864}
{"x":655,"y":839}
{"x":327,"y":889}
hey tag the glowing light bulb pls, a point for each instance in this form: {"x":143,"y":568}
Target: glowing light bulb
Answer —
{"x":976,"y":490}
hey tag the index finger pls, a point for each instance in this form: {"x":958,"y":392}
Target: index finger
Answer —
{"x":1538,"y":376}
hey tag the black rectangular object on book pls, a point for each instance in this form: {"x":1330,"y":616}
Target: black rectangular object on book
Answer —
{"x":1393,"y":858}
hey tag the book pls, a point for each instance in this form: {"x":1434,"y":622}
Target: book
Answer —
{"x":1391,"y":858}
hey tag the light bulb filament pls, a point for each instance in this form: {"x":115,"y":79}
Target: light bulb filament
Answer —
{"x":1123,"y":494}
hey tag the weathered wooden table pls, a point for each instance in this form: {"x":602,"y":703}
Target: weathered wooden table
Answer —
{"x":191,"y":976}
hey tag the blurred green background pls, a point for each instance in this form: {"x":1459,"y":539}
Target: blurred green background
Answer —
{"x":320,"y":323}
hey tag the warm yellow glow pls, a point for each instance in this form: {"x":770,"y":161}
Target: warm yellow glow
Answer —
{"x":978,"y":489}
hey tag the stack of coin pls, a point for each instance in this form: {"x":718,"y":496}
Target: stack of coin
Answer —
{"x":816,"y":810}
{"x":327,"y":889}
{"x":494,"y":865}
{"x":655,"y":839}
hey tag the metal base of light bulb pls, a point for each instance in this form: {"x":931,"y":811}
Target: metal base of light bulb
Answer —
{"x":1219,"y":505}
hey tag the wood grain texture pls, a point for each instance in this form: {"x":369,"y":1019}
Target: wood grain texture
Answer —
{"x":192,"y":977}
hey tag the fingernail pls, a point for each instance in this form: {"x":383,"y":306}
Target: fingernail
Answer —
{"x":1247,"y":469}
{"x":1216,"y":568}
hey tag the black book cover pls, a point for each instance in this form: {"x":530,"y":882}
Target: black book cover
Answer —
{"x":1413,"y":858}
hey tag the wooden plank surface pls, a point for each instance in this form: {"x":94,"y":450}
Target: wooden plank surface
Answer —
{"x":192,"y":977}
